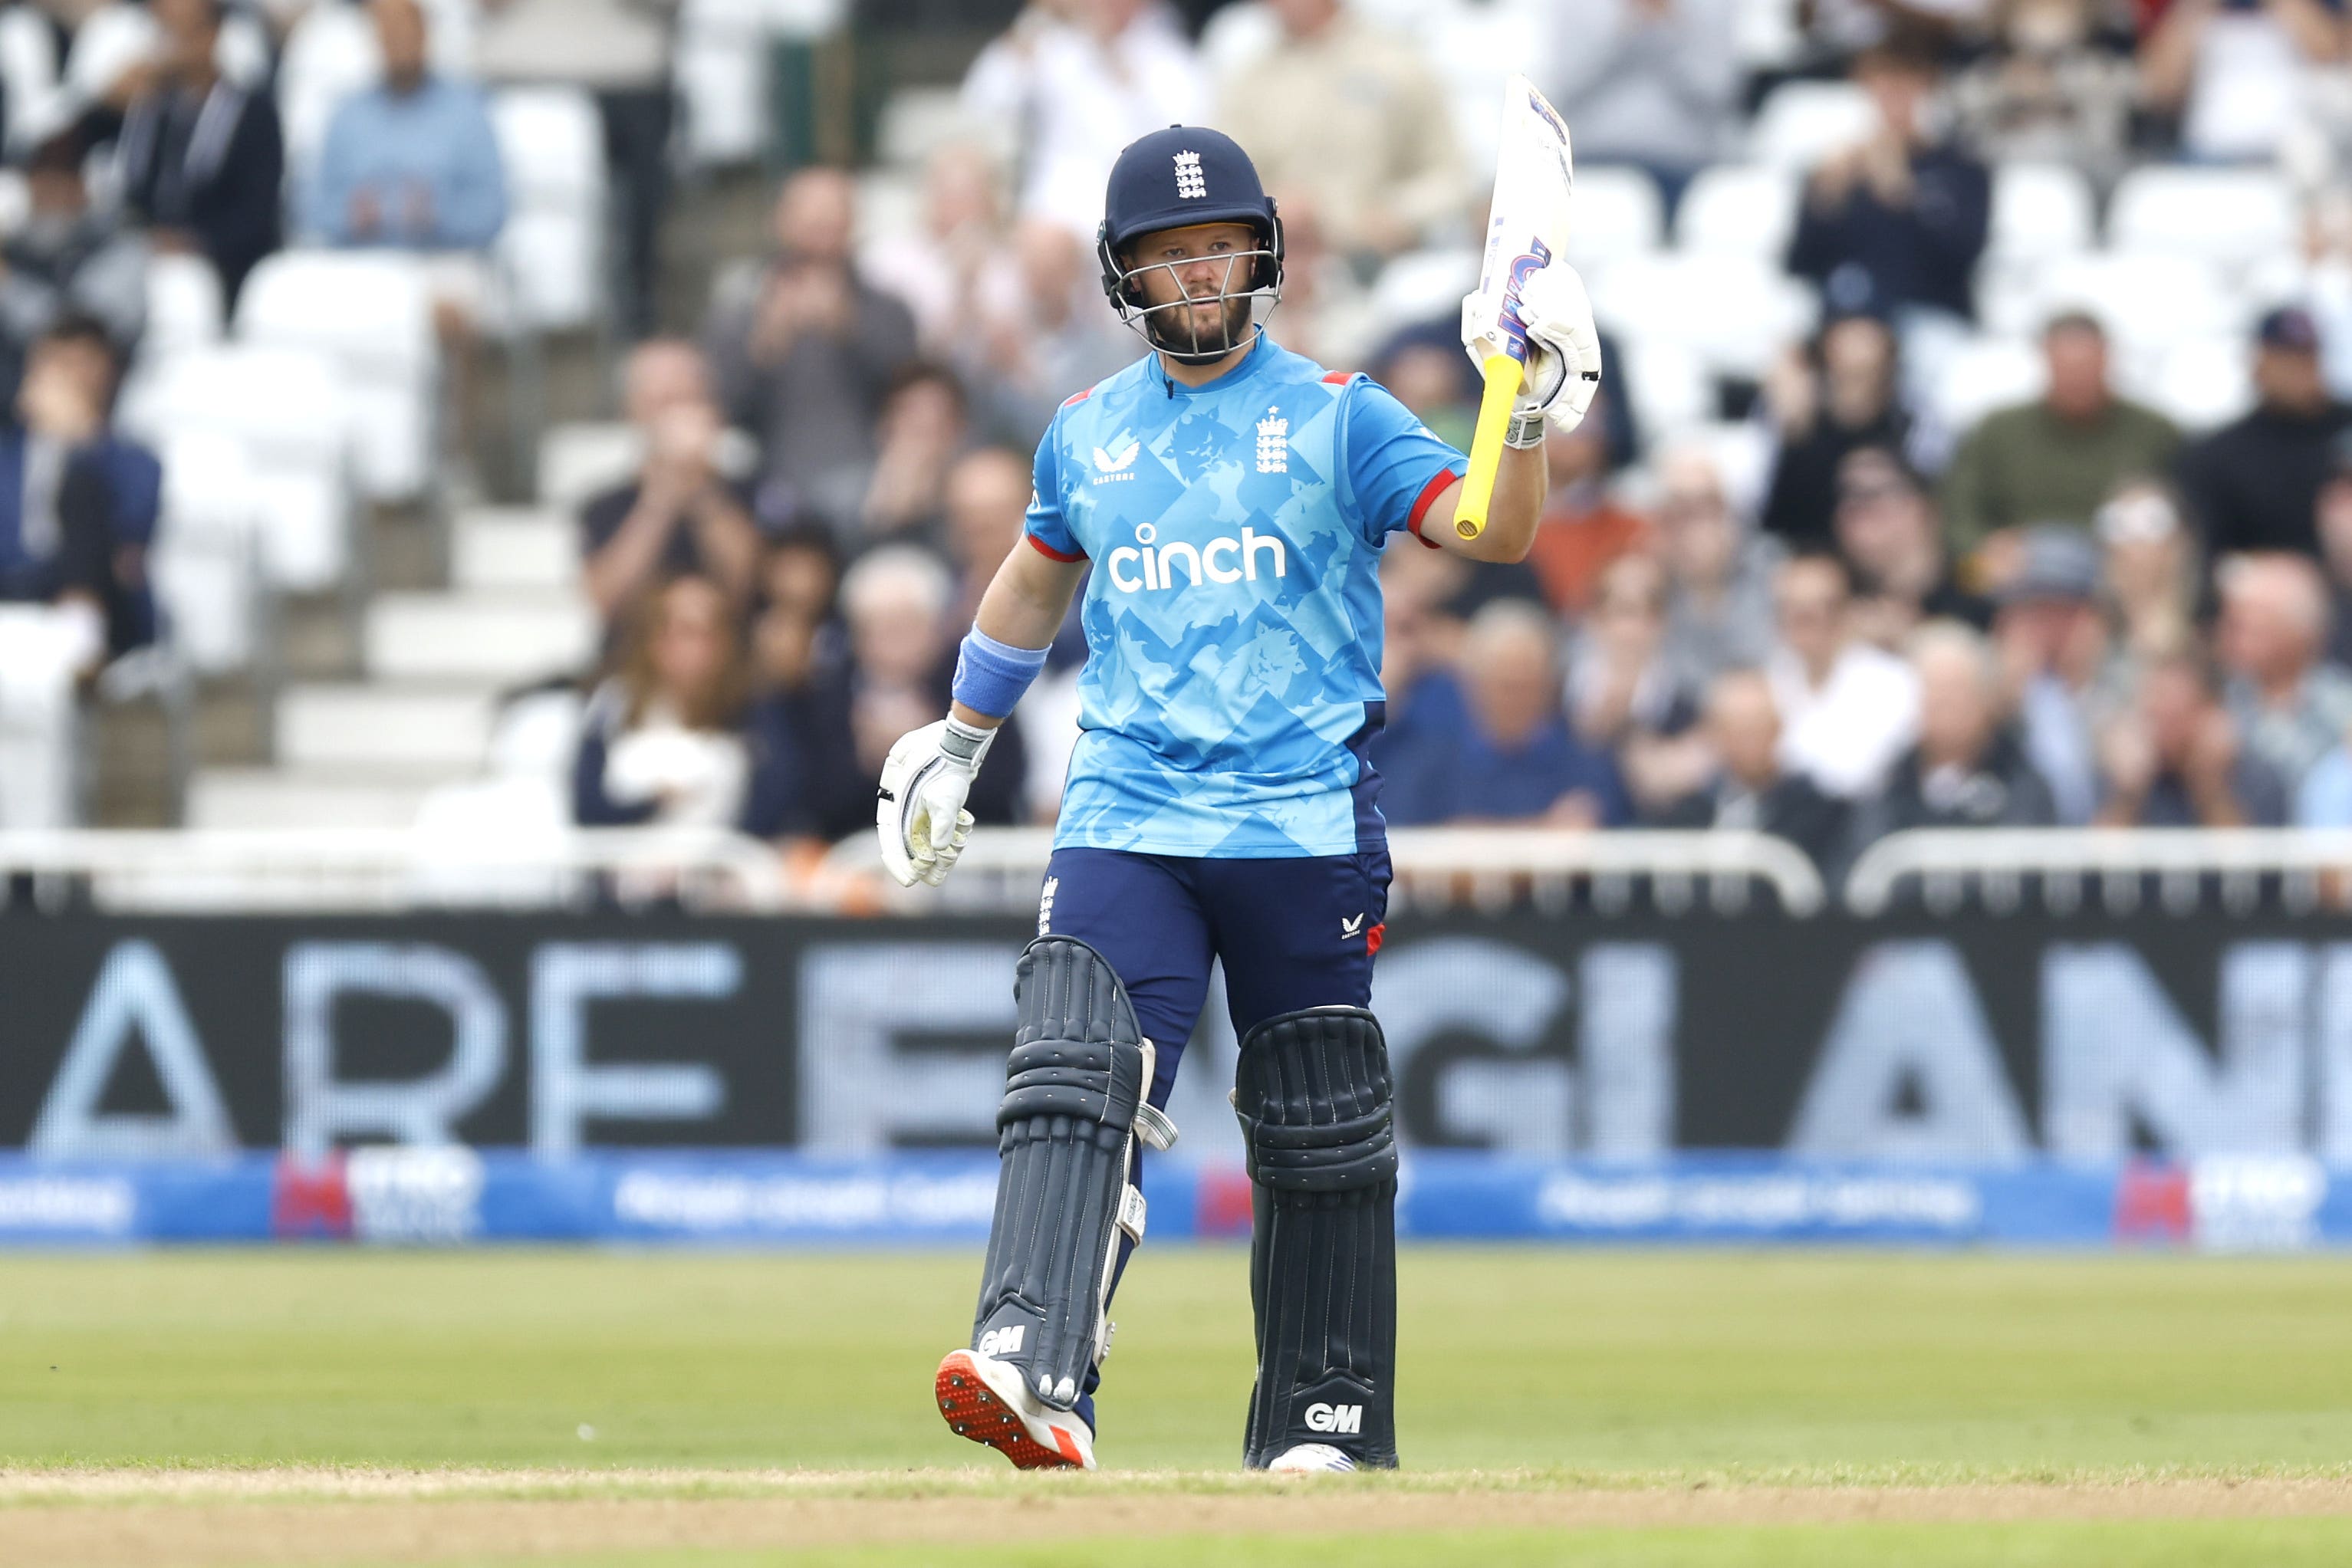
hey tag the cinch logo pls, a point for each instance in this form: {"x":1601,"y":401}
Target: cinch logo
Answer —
{"x":1007,"y":1341}
{"x":1188,"y":183}
{"x":1114,"y":465}
{"x":1137,"y":567}
{"x":1273,"y":444}
{"x":1340,"y":1420}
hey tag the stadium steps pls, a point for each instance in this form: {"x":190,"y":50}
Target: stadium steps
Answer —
{"x":282,"y":797}
{"x":503,"y":548}
{"x":510,"y":636}
{"x":394,"y":727}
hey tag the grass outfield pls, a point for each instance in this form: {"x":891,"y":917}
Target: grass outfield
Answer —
{"x":1697,"y":1408}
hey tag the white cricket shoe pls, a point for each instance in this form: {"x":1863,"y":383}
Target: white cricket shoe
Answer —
{"x":1308,"y":1458}
{"x":987,"y":1400}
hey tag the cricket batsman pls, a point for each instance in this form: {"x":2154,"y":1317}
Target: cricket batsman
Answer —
{"x":1233,"y":499}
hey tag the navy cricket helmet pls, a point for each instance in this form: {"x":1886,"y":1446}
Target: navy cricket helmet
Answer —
{"x":1174,"y":179}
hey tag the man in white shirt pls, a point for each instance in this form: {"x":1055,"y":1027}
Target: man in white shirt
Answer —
{"x":1848,"y":709}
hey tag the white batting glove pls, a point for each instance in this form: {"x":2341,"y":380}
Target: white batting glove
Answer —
{"x":919,"y":808}
{"x":1563,"y":369}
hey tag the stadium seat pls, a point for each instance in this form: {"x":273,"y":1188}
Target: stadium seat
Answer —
{"x":330,"y":53}
{"x":487,"y":637}
{"x":205,"y":564}
{"x":183,"y":305}
{"x":285,"y":408}
{"x":2198,"y":382}
{"x":575,"y":461}
{"x":2236,"y":218}
{"x":2039,"y":211}
{"x":552,"y":253}
{"x":498,"y":549}
{"x":388,"y":728}
{"x":2141,"y":297}
{"x":721,"y":64}
{"x":1985,"y":374}
{"x":917,"y":122}
{"x":372,"y":312}
{"x":1740,"y":209}
{"x":1803,"y":121}
{"x":28,"y":74}
{"x":1734,"y":312}
{"x":1616,"y":214}
{"x":1671,"y":387}
{"x":1424,"y":285}
{"x":267,"y":798}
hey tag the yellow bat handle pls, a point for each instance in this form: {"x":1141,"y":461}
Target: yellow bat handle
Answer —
{"x":1487,"y":444}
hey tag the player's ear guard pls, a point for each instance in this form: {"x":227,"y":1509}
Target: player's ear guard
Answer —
{"x":1317,"y":1114}
{"x":1077,"y":1096}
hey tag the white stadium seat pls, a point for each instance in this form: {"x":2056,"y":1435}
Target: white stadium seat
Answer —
{"x":183,"y":305}
{"x":1740,"y":209}
{"x":2198,"y":382}
{"x":330,"y":53}
{"x":2142,"y":299}
{"x":721,"y":64}
{"x":205,"y":565}
{"x":1803,"y":121}
{"x":2039,"y":211}
{"x":1615,"y":213}
{"x":1984,"y":374}
{"x":372,"y":312}
{"x":1736,"y":312}
{"x":552,"y":250}
{"x":287,"y":410}
{"x":1672,"y":388}
{"x":576,"y":460}
{"x":1424,"y":285}
{"x":2236,"y":217}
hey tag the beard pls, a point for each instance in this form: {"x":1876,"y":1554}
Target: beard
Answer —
{"x":1176,"y":329}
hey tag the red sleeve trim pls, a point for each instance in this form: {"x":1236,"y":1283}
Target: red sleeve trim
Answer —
{"x":1337,"y":377}
{"x":1049,"y":552}
{"x":1074,"y":401}
{"x":1428,"y":498}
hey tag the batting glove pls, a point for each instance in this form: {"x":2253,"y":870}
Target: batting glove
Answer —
{"x":918,"y":809}
{"x":1563,"y":366}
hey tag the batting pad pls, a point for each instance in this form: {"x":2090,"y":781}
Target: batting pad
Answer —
{"x":1316,"y":1112}
{"x":1075,"y":1101}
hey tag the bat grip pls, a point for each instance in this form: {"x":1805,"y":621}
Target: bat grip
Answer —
{"x":1502,"y":376}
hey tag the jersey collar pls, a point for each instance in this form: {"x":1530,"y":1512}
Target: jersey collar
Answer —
{"x":1260,"y":354}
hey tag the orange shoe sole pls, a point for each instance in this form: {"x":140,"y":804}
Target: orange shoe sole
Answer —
{"x":972,"y":1410}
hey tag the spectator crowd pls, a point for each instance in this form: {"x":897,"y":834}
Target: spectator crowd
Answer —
{"x":1831,"y":599}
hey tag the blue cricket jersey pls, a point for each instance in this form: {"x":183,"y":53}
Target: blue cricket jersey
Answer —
{"x":1232,"y":616}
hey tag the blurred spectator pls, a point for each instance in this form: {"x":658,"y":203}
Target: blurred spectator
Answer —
{"x":1354,"y":124}
{"x":1838,"y":30}
{"x":1718,"y":572}
{"x":681,"y":514}
{"x":1054,"y":336}
{"x":960,"y":268}
{"x":1896,"y":223}
{"x":1624,"y":694}
{"x":805,"y":349}
{"x":1653,"y":83}
{"x":201,"y":159}
{"x":2055,"y":459}
{"x":987,"y":501}
{"x":2238,"y":72}
{"x":2291,"y":707}
{"x":1079,"y":79}
{"x":1826,"y":400}
{"x":2054,"y":644}
{"x":2174,"y":758}
{"x":1967,"y":770}
{"x":796,"y":630}
{"x":1584,"y":527}
{"x":411,"y":164}
{"x":1751,"y":791}
{"x":901,"y":663}
{"x":620,"y":51}
{"x":922,"y":429}
{"x":68,"y":256}
{"x":2151,"y":565}
{"x":2253,"y":484}
{"x":1515,"y":758}
{"x":1847,"y":709}
{"x":1887,"y":531}
{"x":2333,"y":523}
{"x":71,"y":402}
{"x":1428,"y":375}
{"x":2055,"y":87}
{"x":1420,"y":646}
{"x":663,"y":740}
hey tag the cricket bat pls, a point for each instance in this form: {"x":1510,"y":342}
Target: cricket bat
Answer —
{"x":1527,"y":226}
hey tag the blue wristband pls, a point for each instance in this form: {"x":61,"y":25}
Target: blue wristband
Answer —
{"x":989,"y":675}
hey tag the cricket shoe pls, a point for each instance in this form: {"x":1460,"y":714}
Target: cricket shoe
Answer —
{"x":986,"y":1400}
{"x":1306,"y":1459}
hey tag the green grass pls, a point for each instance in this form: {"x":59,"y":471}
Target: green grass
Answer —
{"x":1560,"y":1369}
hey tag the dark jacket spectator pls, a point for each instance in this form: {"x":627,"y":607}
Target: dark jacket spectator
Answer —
{"x":1967,"y":770}
{"x":2058,"y":458}
{"x":1899,"y":221}
{"x":65,"y":402}
{"x":2253,"y":484}
{"x":1888,"y":533}
{"x":2176,"y":759}
{"x":1750,"y":791}
{"x":67,"y":258}
{"x":1826,"y":403}
{"x":203,"y":159}
{"x":804,"y":354}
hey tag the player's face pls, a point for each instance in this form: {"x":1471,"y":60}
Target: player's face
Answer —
{"x":1200,"y":276}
